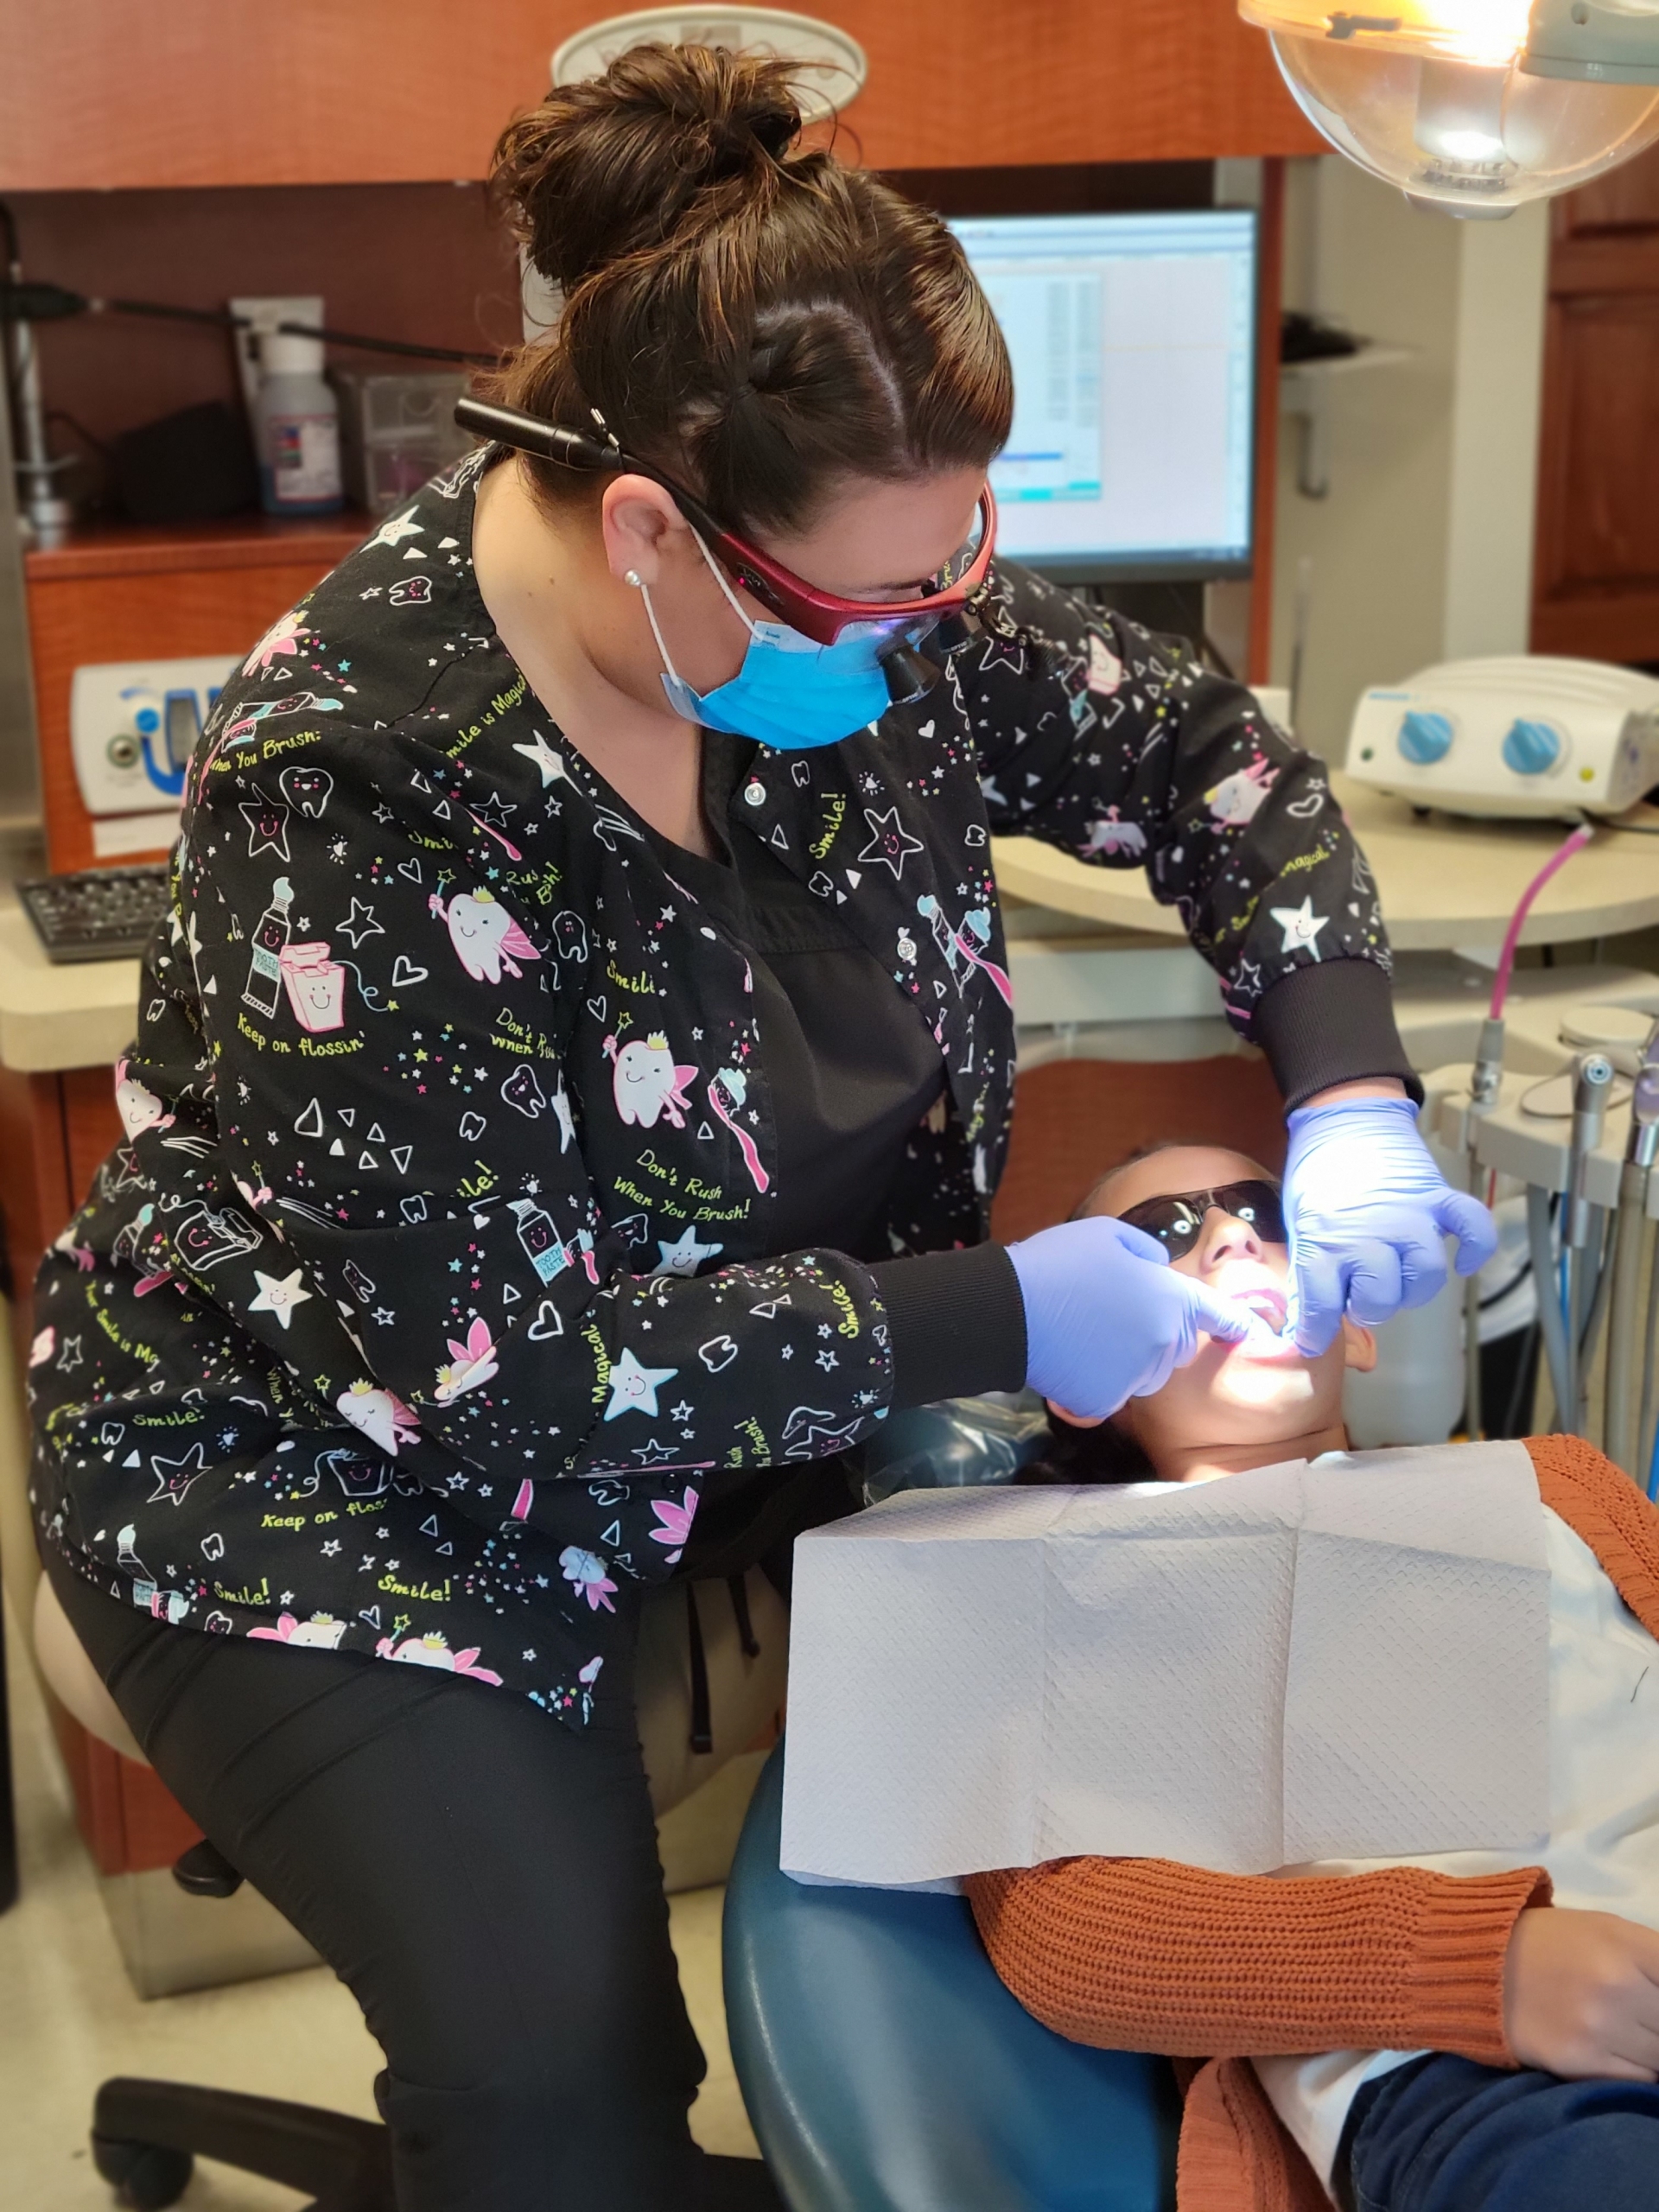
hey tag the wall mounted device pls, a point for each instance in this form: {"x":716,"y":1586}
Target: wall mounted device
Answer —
{"x":133,"y":726}
{"x":1133,"y":338}
{"x":1473,"y":106}
{"x":1516,"y":734}
{"x":832,"y":65}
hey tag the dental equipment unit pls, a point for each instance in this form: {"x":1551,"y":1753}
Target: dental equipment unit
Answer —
{"x":1583,"y":1140}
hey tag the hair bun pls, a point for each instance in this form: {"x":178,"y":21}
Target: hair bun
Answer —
{"x":611,"y":166}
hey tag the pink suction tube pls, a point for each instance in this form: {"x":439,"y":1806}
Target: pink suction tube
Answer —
{"x":1558,"y":860}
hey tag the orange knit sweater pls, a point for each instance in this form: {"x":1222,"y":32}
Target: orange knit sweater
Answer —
{"x":1143,"y":1954}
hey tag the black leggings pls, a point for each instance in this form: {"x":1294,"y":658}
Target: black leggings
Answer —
{"x":485,"y":1880}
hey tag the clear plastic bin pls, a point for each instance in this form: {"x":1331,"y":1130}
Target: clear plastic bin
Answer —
{"x":397,"y":428}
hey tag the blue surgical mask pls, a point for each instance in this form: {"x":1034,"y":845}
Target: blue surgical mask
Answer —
{"x":789,"y":693}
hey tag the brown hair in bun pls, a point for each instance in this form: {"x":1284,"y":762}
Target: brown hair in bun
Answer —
{"x":759,"y":319}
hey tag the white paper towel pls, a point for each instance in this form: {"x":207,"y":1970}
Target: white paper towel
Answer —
{"x":1348,"y":1659}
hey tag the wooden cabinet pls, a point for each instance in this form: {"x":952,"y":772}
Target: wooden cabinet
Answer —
{"x":1596,"y":579}
{"x":312,"y":91}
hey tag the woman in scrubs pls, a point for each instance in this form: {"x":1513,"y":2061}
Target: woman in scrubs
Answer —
{"x":571,"y":1085}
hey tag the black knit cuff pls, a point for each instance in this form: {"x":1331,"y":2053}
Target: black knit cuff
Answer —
{"x":957,"y":1323}
{"x":1331,"y":1021}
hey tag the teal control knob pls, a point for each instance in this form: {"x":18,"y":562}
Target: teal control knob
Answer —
{"x":1425,"y":738}
{"x":1531,"y":748}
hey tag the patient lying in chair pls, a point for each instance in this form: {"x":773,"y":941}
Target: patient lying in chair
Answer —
{"x":1461,"y":2034}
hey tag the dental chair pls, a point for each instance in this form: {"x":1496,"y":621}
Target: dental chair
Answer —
{"x":699,"y":1705}
{"x":885,"y":2067}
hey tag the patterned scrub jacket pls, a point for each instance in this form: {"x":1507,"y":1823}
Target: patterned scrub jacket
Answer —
{"x":433,"y":1285}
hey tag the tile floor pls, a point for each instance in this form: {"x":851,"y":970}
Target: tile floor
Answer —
{"x":68,"y":2016}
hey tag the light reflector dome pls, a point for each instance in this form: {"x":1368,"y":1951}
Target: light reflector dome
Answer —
{"x":1474,"y":105}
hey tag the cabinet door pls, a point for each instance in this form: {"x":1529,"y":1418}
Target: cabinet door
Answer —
{"x":324,"y":91}
{"x":1596,"y":584}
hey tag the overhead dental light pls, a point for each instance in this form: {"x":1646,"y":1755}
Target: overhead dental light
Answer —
{"x":1474,"y":107}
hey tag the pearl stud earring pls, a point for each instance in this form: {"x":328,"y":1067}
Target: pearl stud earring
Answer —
{"x":632,"y":577}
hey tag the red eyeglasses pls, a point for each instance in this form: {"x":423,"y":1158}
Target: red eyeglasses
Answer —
{"x":820,"y":615}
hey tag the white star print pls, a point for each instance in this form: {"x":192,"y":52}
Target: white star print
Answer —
{"x":1300,"y":924}
{"x":546,"y":759}
{"x":279,"y":1295}
{"x":889,"y":843}
{"x":633,"y":1388}
{"x":397,"y":528}
{"x":359,"y":924}
{"x":684,"y":1255}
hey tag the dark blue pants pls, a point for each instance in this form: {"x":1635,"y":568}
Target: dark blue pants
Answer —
{"x":1445,"y":2135}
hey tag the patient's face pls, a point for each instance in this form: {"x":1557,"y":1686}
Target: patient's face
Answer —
{"x":1230,"y":1394}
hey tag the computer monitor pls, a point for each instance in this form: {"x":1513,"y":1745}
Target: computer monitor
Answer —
{"x":1133,"y":338}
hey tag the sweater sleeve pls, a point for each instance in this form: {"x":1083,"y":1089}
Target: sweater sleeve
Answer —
{"x":1144,"y":1954}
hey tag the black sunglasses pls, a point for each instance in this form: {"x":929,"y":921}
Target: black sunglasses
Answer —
{"x":1178,"y":1221}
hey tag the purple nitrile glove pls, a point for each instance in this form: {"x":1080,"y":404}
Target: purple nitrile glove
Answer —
{"x":1107,"y":1318}
{"x":1365,"y":1211}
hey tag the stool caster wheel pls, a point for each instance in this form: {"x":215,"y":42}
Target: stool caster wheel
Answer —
{"x":148,"y":2177}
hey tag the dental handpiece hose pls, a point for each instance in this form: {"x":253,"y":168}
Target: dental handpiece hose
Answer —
{"x":1592,"y":1076}
{"x":1484,"y":1087}
{"x":1623,"y":1427}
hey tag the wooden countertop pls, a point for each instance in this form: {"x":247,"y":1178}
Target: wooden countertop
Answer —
{"x":126,"y":548}
{"x":1442,"y":882}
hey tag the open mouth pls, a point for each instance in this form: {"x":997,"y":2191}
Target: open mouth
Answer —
{"x":1270,"y":1304}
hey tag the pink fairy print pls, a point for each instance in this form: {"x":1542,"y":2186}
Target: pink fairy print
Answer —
{"x":474,"y":1364}
{"x":485,"y":937}
{"x":138,"y":1106}
{"x":316,"y":985}
{"x":735,"y":1086}
{"x":281,"y":639}
{"x":380,"y":1413}
{"x":585,"y":1572}
{"x":1109,"y":835}
{"x":432,"y":1650}
{"x":322,"y":1632}
{"x":676,"y":1523}
{"x":1237,"y":798}
{"x":647,"y":1081}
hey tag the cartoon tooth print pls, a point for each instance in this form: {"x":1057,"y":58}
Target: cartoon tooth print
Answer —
{"x":1105,"y":669}
{"x":432,"y":1650}
{"x":521,"y":1089}
{"x":315,"y":984}
{"x":585,"y":1571}
{"x":648,"y":1082}
{"x":1236,"y":799}
{"x":1301,"y":926}
{"x":138,"y":1107}
{"x":322,"y":1632}
{"x":570,"y":935}
{"x":309,"y":789}
{"x":1108,"y":835}
{"x":485,"y":937}
{"x":380,"y":1413}
{"x":733,"y":1083}
{"x":474,"y":1362}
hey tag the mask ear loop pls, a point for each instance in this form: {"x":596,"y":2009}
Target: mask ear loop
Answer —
{"x":715,"y":569}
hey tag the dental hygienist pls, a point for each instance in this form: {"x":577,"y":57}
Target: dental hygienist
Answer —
{"x":570,"y":1089}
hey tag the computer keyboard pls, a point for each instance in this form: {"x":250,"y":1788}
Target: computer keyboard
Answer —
{"x":96,"y":913}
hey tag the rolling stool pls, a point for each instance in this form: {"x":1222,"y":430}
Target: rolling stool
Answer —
{"x":147,"y":2135}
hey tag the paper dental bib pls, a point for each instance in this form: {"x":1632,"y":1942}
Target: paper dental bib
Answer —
{"x":1346,"y":1659}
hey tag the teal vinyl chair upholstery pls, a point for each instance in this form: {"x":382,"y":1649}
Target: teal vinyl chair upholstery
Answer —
{"x":885,"y":2067}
